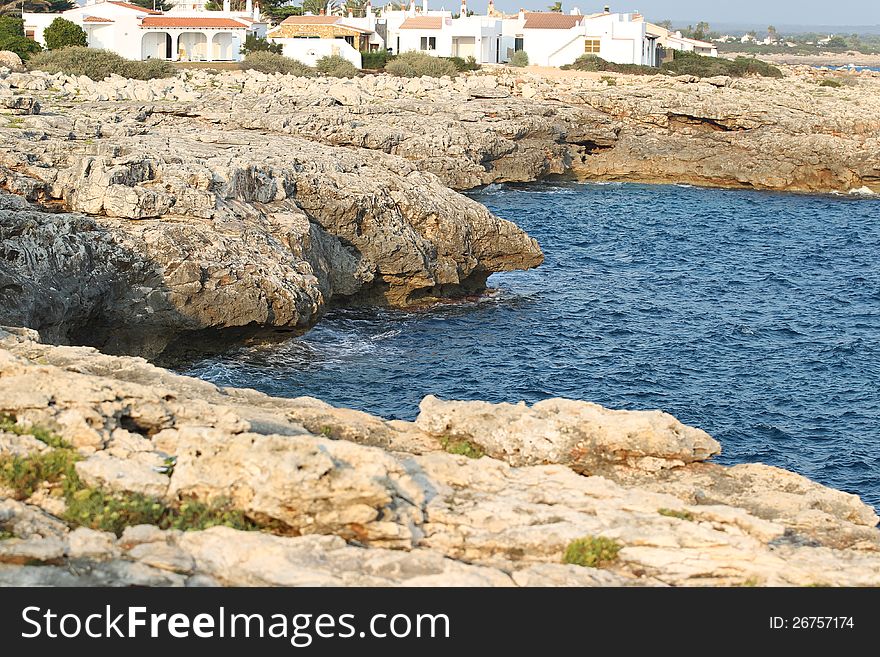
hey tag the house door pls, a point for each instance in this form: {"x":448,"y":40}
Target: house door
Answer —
{"x":168,"y":44}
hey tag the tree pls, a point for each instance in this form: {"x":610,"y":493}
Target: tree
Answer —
{"x":358,"y":8}
{"x":62,"y":33}
{"x":667,"y":24}
{"x":556,"y":6}
{"x":701,"y":33}
{"x":837,"y":42}
{"x":37,"y":6}
{"x":253,"y":43}
{"x":313,"y":6}
{"x":12,"y":37}
{"x":158,"y":5}
{"x":771,"y":32}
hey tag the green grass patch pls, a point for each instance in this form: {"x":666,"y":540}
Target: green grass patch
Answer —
{"x":5,"y":535}
{"x":835,"y":84}
{"x":591,"y":551}
{"x":25,"y":474}
{"x":462,"y":448}
{"x":9,"y":425}
{"x":114,"y":511}
{"x":672,"y":513}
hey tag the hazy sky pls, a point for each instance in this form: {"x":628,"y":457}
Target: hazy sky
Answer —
{"x":797,"y":12}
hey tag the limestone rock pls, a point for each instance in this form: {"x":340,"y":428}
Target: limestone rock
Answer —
{"x":352,"y":514}
{"x":585,"y":436}
{"x":12,"y":61}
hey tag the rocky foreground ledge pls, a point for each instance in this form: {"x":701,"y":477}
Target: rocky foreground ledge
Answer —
{"x":112,"y":471}
{"x":148,"y":216}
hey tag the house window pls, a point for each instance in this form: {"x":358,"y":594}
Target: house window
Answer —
{"x":429,"y":43}
{"x":592,"y":46}
{"x":518,"y":44}
{"x":349,"y":40}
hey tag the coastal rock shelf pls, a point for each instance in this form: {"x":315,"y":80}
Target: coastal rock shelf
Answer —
{"x":227,"y":203}
{"x":344,"y":498}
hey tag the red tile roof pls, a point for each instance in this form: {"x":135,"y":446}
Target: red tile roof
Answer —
{"x":423,"y":23}
{"x":191,"y":21}
{"x":96,"y":19}
{"x":128,"y":5}
{"x":550,"y":20}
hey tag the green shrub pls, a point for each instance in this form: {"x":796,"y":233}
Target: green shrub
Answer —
{"x":416,"y":64}
{"x":684,"y":63}
{"x":269,"y":62}
{"x":336,"y":66}
{"x":688,"y":63}
{"x":62,"y":33}
{"x":461,"y":65}
{"x":591,"y":551}
{"x":253,"y":43}
{"x":12,"y":38}
{"x":609,"y":80}
{"x":98,"y":64}
{"x":374,"y":61}
{"x":519,"y":59}
{"x":596,"y":63}
{"x":462,"y":448}
{"x":835,"y":84}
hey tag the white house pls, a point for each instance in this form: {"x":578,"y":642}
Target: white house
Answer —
{"x":668,"y":41}
{"x":309,"y":38}
{"x":555,"y":39}
{"x":472,"y":36}
{"x":441,"y":34}
{"x":675,"y":41}
{"x":137,"y":33}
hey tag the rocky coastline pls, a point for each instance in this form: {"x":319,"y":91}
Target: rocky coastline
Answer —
{"x":470,"y":494}
{"x":141,"y":213}
{"x":148,"y":218}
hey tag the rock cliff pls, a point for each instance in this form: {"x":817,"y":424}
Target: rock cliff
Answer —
{"x":338,"y":497}
{"x":181,"y":210}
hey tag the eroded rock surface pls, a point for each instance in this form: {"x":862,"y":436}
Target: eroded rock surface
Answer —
{"x":236,"y":202}
{"x":357,"y":500}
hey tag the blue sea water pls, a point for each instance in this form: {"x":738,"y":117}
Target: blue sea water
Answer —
{"x":755,"y":316}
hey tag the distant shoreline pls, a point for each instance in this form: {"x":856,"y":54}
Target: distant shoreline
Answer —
{"x":821,"y":59}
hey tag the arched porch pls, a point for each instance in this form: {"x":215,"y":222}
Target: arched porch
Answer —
{"x":157,"y":45}
{"x":223,"y":47}
{"x":193,"y":45}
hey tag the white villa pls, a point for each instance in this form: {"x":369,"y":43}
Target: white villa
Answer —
{"x":555,"y":39}
{"x":309,"y":38}
{"x":188,"y":32}
{"x":138,"y":33}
